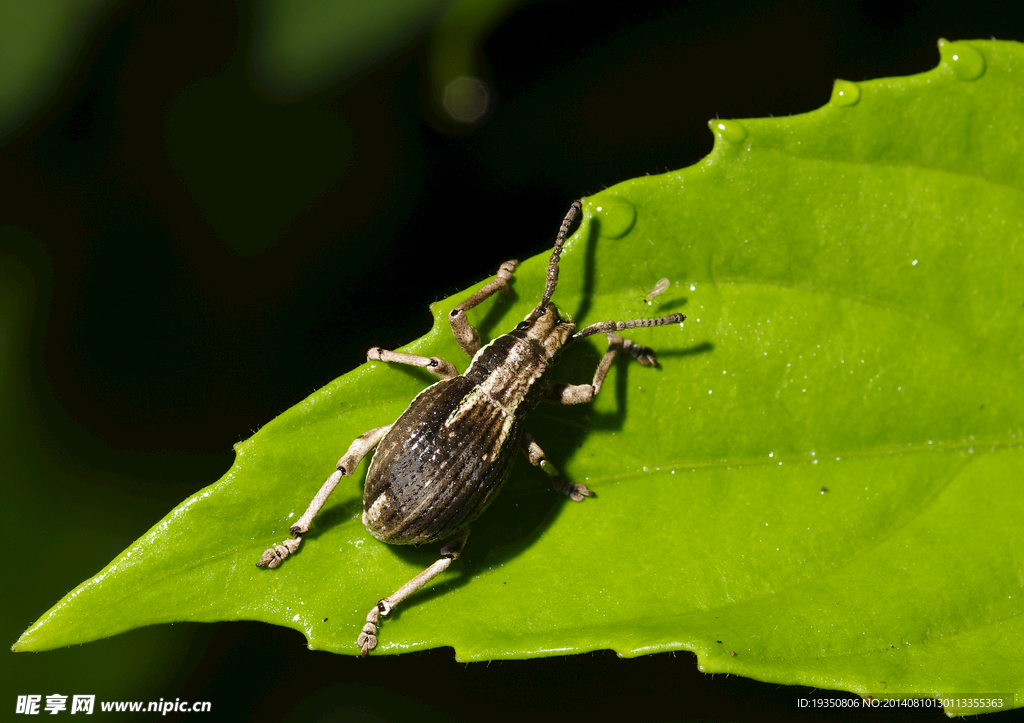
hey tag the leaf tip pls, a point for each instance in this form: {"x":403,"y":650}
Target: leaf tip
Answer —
{"x":24,"y":643}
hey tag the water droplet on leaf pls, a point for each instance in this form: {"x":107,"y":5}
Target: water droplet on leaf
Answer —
{"x":966,"y":62}
{"x":728,"y":130}
{"x":615,"y":217}
{"x":845,"y":93}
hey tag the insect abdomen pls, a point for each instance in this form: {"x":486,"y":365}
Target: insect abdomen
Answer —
{"x":439,"y":465}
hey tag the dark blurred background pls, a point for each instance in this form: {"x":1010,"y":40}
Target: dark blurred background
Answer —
{"x":210,"y":209}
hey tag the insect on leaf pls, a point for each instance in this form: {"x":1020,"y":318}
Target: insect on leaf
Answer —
{"x":821,"y":485}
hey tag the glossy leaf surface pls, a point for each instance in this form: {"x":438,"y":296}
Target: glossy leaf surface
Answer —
{"x":821,"y":484}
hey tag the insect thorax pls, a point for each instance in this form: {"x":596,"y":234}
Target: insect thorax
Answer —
{"x":513,"y":369}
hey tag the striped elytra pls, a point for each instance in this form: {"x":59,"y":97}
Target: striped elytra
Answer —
{"x":442,"y":462}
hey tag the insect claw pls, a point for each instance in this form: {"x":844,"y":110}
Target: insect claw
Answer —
{"x":577,"y":492}
{"x":643,"y":354}
{"x":367,"y":639}
{"x":274,"y":556}
{"x":505,"y":273}
{"x":269,"y":559}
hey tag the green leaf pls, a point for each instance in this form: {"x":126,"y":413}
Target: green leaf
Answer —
{"x":819,"y":486}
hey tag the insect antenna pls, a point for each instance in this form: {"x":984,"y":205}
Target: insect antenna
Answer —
{"x":603,"y":327}
{"x":556,"y":254}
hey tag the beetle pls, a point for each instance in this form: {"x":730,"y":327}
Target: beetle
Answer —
{"x":441,"y":463}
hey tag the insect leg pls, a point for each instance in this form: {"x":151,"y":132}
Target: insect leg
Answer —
{"x":367,"y":639}
{"x":435,"y":365}
{"x":583,"y":393}
{"x":274,"y":556}
{"x":464,"y":332}
{"x":535,"y":454}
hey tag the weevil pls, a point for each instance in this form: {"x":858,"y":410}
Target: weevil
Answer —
{"x":441,"y":463}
